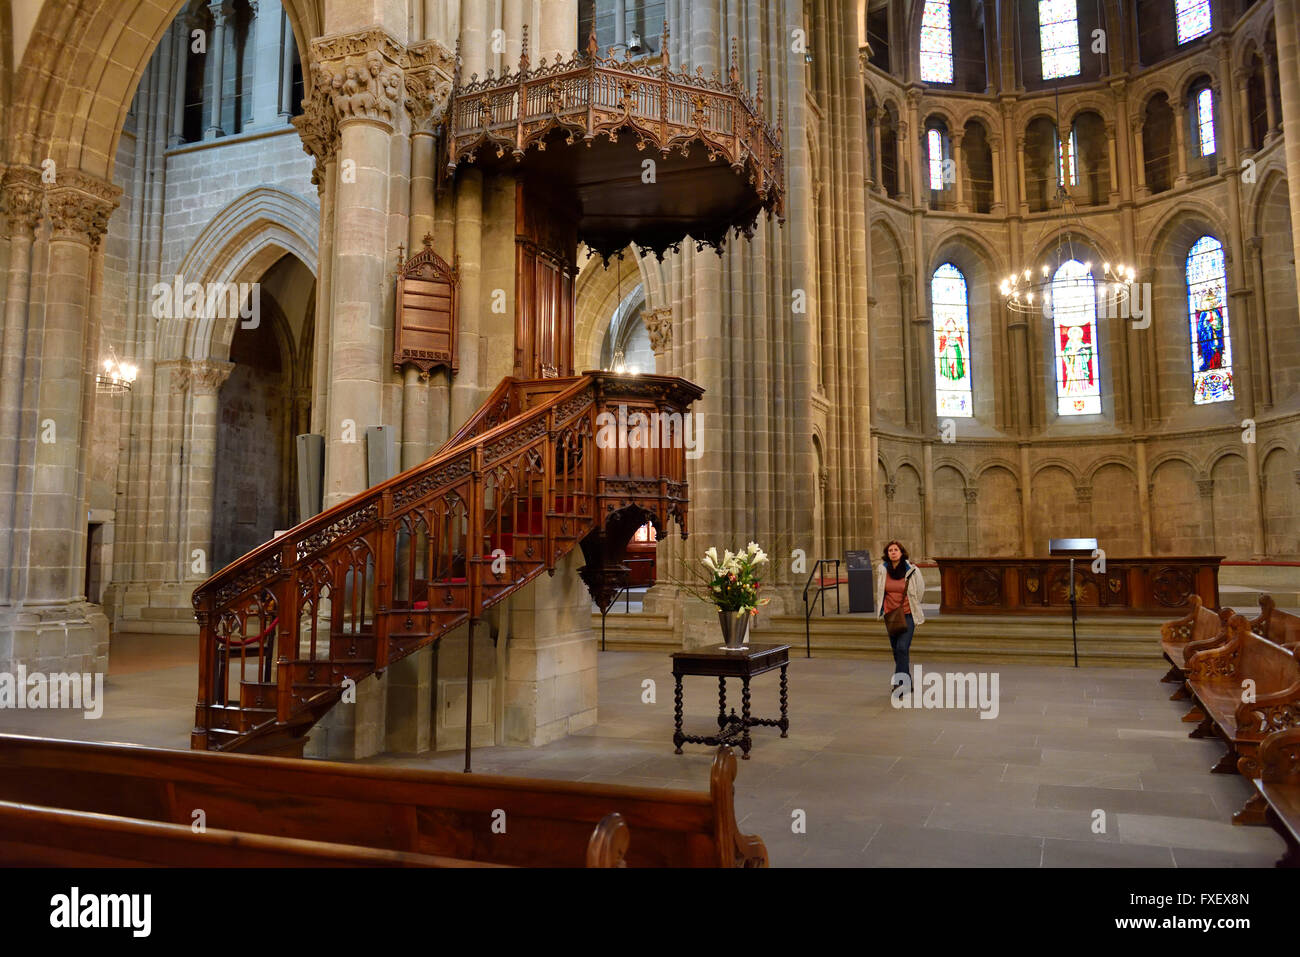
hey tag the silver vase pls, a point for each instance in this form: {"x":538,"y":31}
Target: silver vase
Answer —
{"x":735,"y":628}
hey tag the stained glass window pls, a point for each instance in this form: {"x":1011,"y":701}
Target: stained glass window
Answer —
{"x":1067,"y":168}
{"x":1058,"y":38}
{"x":1207,"y":314}
{"x":1074,"y":318}
{"x":1193,"y":18}
{"x":951,"y":342}
{"x":1205,"y":120}
{"x":936,"y":42}
{"x":934,"y":149}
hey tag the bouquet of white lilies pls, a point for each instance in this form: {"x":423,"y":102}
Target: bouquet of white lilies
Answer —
{"x":735,"y":581}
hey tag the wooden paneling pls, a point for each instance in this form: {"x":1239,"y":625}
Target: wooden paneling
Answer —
{"x":1029,"y":586}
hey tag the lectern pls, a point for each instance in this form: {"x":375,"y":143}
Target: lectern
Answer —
{"x":1074,"y":548}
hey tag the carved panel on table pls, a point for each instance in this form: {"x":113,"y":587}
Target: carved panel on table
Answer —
{"x":1172,"y":586}
{"x":981,"y":586}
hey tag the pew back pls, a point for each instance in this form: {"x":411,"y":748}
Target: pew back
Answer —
{"x":32,"y":836}
{"x":547,"y":823}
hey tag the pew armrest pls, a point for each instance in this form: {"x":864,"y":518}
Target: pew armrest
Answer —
{"x":1276,"y":711}
{"x":1279,"y":757}
{"x":734,"y":849}
{"x":1214,"y":662}
{"x":609,"y":842}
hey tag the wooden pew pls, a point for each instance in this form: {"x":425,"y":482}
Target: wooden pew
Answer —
{"x":1217,"y":679}
{"x":1278,"y":785}
{"x":1279,"y":627}
{"x":1198,"y":625}
{"x":547,"y":823}
{"x":32,"y":836}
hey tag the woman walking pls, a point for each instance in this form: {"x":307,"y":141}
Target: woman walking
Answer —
{"x":901,"y":589}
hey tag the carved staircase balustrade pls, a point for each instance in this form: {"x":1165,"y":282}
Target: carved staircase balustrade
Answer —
{"x":350,"y":591}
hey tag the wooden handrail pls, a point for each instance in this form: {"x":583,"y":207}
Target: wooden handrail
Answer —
{"x":349,"y":591}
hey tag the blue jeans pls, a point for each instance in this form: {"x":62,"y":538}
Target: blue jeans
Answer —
{"x":902,"y":643}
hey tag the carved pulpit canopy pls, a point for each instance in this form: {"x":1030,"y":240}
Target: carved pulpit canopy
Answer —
{"x":427,"y":311}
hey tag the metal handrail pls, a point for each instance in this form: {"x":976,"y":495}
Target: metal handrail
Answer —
{"x":821,"y":592}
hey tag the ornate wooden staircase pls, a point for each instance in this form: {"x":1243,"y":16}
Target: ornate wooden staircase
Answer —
{"x":543,"y":466}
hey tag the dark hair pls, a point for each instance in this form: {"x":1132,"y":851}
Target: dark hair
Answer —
{"x":884,"y":556}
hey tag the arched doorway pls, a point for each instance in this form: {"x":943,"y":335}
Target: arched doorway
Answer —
{"x":262,"y":406}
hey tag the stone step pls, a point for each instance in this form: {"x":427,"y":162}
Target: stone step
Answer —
{"x":1128,"y":641}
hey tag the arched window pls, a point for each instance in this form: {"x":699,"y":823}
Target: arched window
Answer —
{"x":936,"y":42}
{"x":1074,"y":317}
{"x":1058,"y":38}
{"x":1207,"y":314}
{"x":1193,"y":18}
{"x":1205,"y":120}
{"x":934,"y":156}
{"x":951,"y":342}
{"x":1067,"y":159}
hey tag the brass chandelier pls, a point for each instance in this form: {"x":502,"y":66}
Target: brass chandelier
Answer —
{"x":1033,"y":286}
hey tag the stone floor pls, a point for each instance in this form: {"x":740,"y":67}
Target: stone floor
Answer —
{"x":877,"y":786}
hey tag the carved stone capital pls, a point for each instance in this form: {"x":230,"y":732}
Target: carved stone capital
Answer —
{"x":1205,"y":487}
{"x":220,"y":10}
{"x":20,"y":193}
{"x":1083,"y":494}
{"x":361,"y":76}
{"x":207,"y":377}
{"x":429,"y":79}
{"x":79,"y":207}
{"x":889,"y":489}
{"x":972,"y":495}
{"x":659,"y":324}
{"x":178,"y":374}
{"x":1254,"y":243}
{"x":1222,"y":46}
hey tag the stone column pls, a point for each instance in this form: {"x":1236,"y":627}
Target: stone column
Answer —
{"x":288,"y":53}
{"x":1259,"y":336}
{"x":1141,"y":190}
{"x":900,"y":168}
{"x":1025,"y":494}
{"x":267,"y":45}
{"x":620,"y":28}
{"x":873,"y":169}
{"x":557,"y":34}
{"x":181,"y":44}
{"x":49,"y":626}
{"x":22,"y":207}
{"x":1288,"y":58}
{"x":1180,"y":142}
{"x":205,"y":380}
{"x":959,"y":162}
{"x":1269,"y":107}
{"x":999,"y":207}
{"x":1241,"y":79}
{"x":217,"y":60}
{"x":1020,"y":169}
{"x":1114,"y":163}
{"x":1144,"y":493}
{"x":366,"y":122}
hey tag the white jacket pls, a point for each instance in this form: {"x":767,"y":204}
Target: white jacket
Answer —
{"x":915,"y":592}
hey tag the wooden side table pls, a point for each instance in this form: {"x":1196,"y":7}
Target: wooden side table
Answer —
{"x":745,"y":664}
